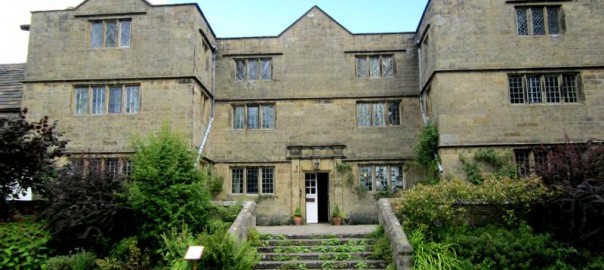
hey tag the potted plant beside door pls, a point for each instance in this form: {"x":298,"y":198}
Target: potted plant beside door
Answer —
{"x":298,"y":216}
{"x":337,"y":216}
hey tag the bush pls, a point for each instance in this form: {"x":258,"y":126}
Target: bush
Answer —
{"x":221,"y":251}
{"x":126,"y":255}
{"x":23,"y":245}
{"x":79,"y":261}
{"x":449,"y":202}
{"x":493,"y":247}
{"x":84,"y":211}
{"x":166,"y":189}
{"x":576,"y":215}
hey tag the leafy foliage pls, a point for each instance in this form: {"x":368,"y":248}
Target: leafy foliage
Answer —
{"x":426,"y":150}
{"x":488,"y":162}
{"x":126,"y":255}
{"x":433,"y":255}
{"x":84,"y":211}
{"x":166,"y":189}
{"x":23,"y":245}
{"x":83,"y":260}
{"x":27,"y":155}
{"x":493,"y":247}
{"x":450,"y":202}
{"x":221,"y":251}
{"x":576,"y":215}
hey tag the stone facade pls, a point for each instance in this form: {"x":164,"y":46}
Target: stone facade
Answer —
{"x":470,"y":49}
{"x":284,"y":109}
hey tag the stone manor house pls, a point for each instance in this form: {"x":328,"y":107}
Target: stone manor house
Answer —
{"x":276,"y":116}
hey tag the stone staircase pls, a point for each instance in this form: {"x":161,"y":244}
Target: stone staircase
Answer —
{"x":326,"y":251}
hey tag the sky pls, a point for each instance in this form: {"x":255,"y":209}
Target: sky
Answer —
{"x":234,"y":18}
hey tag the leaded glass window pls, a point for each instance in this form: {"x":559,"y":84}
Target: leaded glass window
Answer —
{"x":543,"y":88}
{"x":237,"y":180}
{"x":115,"y":100}
{"x":251,"y":178}
{"x":98,"y":100}
{"x":374,"y":66}
{"x":81,"y":102}
{"x":254,"y":69}
{"x":110,"y":33}
{"x":538,"y":20}
{"x":381,"y":113}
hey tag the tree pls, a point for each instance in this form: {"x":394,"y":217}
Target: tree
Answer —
{"x":166,"y":190}
{"x":28,"y":152}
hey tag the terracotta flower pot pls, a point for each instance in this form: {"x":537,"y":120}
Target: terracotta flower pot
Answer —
{"x":298,"y":220}
{"x":336,"y":221}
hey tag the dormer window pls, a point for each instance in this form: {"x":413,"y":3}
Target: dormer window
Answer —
{"x":111,"y":33}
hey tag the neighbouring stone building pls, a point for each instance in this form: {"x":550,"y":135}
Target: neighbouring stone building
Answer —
{"x":318,"y":116}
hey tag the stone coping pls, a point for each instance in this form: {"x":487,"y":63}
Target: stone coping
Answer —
{"x":402,"y":252}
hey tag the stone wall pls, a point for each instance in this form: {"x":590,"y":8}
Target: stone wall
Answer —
{"x":176,"y":103}
{"x":402,"y":252}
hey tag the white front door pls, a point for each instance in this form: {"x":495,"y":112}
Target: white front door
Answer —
{"x":312,"y":209}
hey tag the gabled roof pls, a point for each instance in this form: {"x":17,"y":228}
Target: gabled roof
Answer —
{"x":303,"y":16}
{"x":310,"y":10}
{"x":11,"y":86}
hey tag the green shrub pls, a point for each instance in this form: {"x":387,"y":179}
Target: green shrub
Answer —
{"x":493,"y":247}
{"x":221,"y":251}
{"x":433,"y":255}
{"x":166,"y":189}
{"x":449,"y":202}
{"x":79,"y":261}
{"x":126,"y":255}
{"x":59,"y":263}
{"x":23,"y":245}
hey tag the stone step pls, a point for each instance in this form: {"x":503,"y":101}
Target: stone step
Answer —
{"x":314,"y":236}
{"x":330,"y":264}
{"x":307,"y":249}
{"x":318,"y":242}
{"x":339,"y":256}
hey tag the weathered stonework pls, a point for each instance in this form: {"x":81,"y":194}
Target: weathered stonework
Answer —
{"x":455,"y":68}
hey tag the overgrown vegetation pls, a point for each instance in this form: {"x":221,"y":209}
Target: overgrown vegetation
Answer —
{"x":428,"y":254}
{"x":23,"y":245}
{"x":426,"y":151}
{"x":458,"y":202}
{"x":84,"y":211}
{"x":28,"y":152}
{"x":488,"y":162}
{"x":481,"y":223}
{"x":576,"y":214}
{"x":127,"y":222}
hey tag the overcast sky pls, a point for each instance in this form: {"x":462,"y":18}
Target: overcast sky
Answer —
{"x":232,"y":18}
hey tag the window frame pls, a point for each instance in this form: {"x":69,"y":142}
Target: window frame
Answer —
{"x":87,"y":101}
{"x":388,"y":113}
{"x":521,"y":90}
{"x":367,"y":59}
{"x":260,"y":74}
{"x":101,"y":42}
{"x":529,"y":20}
{"x":261,"y":185}
{"x":261,"y":123}
{"x":113,"y":167}
{"x":375,"y":184}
